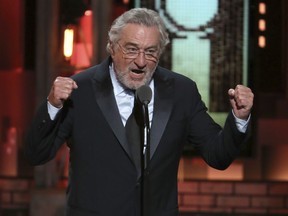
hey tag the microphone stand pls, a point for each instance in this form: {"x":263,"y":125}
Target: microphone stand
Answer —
{"x":145,"y":162}
{"x":144,"y":95}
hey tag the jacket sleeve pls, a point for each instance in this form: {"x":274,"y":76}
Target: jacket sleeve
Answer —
{"x":218,"y":146}
{"x":42,"y":141}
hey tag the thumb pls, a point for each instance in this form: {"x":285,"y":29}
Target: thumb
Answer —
{"x":231,"y":93}
{"x":75,"y":86}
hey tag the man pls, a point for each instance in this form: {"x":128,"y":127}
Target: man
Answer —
{"x":91,"y":110}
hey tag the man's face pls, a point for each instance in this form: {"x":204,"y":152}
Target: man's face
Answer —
{"x":135,"y":55}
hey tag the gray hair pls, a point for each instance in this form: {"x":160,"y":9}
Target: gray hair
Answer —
{"x":141,"y":16}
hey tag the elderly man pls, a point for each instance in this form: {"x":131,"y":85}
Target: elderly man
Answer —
{"x":91,"y":108}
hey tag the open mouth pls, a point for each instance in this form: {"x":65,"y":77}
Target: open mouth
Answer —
{"x":137,"y":71}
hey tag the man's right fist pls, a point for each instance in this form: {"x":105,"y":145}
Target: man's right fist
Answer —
{"x":61,"y":90}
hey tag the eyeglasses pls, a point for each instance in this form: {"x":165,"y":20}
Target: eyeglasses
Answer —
{"x":132,"y":52}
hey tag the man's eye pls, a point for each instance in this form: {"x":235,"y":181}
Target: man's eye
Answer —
{"x":132,"y":49}
{"x":150,"y":51}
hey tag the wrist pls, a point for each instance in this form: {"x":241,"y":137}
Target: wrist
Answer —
{"x":52,"y":103}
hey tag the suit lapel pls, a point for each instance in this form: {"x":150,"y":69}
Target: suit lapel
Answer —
{"x":105,"y":98}
{"x":162,"y":108}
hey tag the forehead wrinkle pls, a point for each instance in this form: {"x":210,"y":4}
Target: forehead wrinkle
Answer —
{"x":141,"y":36}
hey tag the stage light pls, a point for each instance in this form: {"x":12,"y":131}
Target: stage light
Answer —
{"x":262,"y":25}
{"x":68,"y":42}
{"x":88,"y":13}
{"x":261,"y":41}
{"x":262,"y":8}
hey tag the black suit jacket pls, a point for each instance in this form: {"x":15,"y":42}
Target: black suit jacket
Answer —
{"x":102,"y":177}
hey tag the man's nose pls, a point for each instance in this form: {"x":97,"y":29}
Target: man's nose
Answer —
{"x":141,"y":61}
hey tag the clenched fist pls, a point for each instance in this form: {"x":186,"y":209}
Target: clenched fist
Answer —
{"x":61,"y":90}
{"x":241,"y":99}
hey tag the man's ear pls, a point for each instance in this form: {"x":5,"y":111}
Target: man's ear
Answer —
{"x":110,"y":48}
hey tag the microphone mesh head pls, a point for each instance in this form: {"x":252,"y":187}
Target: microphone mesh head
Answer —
{"x":144,"y":94}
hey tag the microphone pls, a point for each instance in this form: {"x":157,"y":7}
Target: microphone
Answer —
{"x":144,"y":94}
